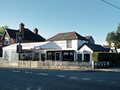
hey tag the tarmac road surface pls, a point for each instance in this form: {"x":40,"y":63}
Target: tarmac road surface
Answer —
{"x":41,"y":79}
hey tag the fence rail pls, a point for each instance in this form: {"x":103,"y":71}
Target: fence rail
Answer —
{"x":46,"y":64}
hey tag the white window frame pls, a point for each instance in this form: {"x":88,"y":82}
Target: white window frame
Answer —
{"x":69,"y":43}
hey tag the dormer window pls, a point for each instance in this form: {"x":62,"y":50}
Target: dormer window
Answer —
{"x":69,"y":43}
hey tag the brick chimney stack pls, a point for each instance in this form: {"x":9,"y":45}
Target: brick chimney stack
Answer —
{"x":21,"y":28}
{"x":35,"y":31}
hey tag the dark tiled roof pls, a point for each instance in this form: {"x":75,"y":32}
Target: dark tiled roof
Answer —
{"x":88,"y":37}
{"x":67,"y":36}
{"x":12,"y":33}
{"x":96,"y":47}
{"x":28,"y":35}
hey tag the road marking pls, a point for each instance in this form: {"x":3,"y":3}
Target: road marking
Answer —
{"x":74,"y":77}
{"x":100,"y":80}
{"x":29,"y":88}
{"x":16,"y":71}
{"x":117,"y":81}
{"x":39,"y":88}
{"x":42,"y":74}
{"x":61,"y":75}
{"x":28,"y":72}
{"x":113,"y":82}
{"x":86,"y":79}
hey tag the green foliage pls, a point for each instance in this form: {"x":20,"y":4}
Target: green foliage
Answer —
{"x":95,"y":56}
{"x":114,"y":37}
{"x":110,"y":37}
{"x":113,"y":58}
{"x":2,"y":29}
{"x":118,"y":29}
{"x":118,"y":45}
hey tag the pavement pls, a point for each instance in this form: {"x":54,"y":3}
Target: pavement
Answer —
{"x":109,"y":69}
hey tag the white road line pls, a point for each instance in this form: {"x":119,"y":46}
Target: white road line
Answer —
{"x":74,"y":77}
{"x":29,"y":88}
{"x":16,"y":71}
{"x":100,"y":80}
{"x":61,"y":75}
{"x":86,"y":79}
{"x":28,"y":72}
{"x":116,"y":81}
{"x":42,"y":74}
{"x":39,"y":88}
{"x":113,"y":82}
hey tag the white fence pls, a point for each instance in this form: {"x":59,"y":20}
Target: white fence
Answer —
{"x":46,"y":64}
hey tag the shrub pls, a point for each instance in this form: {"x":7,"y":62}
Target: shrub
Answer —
{"x":95,"y":56}
{"x":113,"y":58}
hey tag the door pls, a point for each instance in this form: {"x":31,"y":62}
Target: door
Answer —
{"x":86,"y":57}
{"x":57,"y":56}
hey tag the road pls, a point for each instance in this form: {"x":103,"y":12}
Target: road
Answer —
{"x":40,"y":79}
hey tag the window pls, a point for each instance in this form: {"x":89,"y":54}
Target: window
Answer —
{"x":36,"y":56}
{"x":68,"y":56}
{"x":49,"y":55}
{"x":79,"y":57}
{"x":69,"y":43}
{"x":7,"y":42}
{"x":65,"y":53}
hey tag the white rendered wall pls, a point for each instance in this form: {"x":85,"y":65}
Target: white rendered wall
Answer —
{"x":63,"y":44}
{"x":75,"y":44}
{"x":86,"y":50}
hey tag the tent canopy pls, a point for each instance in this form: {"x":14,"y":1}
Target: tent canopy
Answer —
{"x":35,"y":45}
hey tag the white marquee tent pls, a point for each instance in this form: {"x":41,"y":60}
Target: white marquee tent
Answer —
{"x":9,"y":52}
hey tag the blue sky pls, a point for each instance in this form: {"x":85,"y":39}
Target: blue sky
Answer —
{"x":87,"y":17}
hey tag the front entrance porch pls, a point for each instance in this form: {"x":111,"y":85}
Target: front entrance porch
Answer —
{"x":63,"y":55}
{"x":87,"y":57}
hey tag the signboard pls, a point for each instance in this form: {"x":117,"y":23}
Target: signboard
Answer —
{"x":112,"y":44}
{"x":19,"y":48}
{"x":19,"y":37}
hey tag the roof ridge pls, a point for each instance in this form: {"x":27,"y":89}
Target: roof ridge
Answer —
{"x":87,"y":36}
{"x":76,"y":34}
{"x":11,"y":29}
{"x":67,"y":32}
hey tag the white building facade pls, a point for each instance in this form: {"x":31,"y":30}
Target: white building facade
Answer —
{"x":69,"y":43}
{"x":68,"y":46}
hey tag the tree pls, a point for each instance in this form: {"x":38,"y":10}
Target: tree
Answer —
{"x":118,"y":29}
{"x":114,"y":37}
{"x":2,"y":29}
{"x":110,"y":37}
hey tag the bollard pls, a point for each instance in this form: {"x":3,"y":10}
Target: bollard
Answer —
{"x":92,"y":64}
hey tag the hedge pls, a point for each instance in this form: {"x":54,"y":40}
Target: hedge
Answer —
{"x":114,"y":58}
{"x":95,"y":56}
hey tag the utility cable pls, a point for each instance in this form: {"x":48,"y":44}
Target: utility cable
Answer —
{"x":111,"y":4}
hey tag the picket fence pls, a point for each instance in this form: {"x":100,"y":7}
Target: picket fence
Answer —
{"x":47,"y":64}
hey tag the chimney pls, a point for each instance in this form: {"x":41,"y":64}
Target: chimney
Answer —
{"x":21,"y":28}
{"x":35,"y":31}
